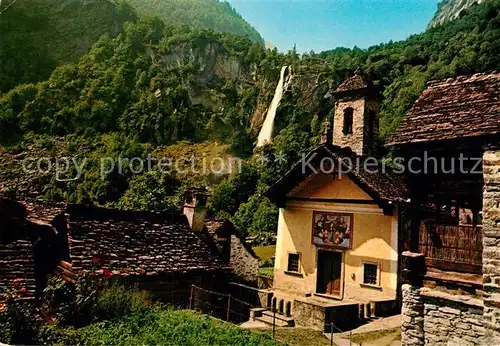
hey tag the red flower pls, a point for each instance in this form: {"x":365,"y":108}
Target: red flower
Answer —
{"x":17,"y":282}
{"x":22,"y":290}
{"x":96,"y":260}
{"x":92,"y":275}
{"x":107,"y":273}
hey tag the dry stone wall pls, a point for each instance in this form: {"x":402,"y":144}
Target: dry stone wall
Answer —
{"x":431,"y":317}
{"x":412,"y":316}
{"x":491,"y":245}
{"x":243,"y":263}
{"x":17,"y":262}
{"x":452,"y":320}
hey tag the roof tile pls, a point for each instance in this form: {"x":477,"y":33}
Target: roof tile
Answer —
{"x":468,"y":106}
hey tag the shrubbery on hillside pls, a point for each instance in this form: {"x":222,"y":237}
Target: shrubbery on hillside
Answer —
{"x":161,"y":326}
{"x":99,"y":310}
{"x":201,"y":14}
{"x":36,"y":36}
{"x":114,"y":315}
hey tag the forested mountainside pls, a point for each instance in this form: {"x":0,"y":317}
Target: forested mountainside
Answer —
{"x":202,"y":14}
{"x":159,"y":89}
{"x":36,"y":36}
{"x":451,"y":9}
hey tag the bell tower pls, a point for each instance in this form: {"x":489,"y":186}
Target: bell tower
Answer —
{"x":356,"y":117}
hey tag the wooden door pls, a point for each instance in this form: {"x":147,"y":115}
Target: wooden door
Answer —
{"x":329,"y":279}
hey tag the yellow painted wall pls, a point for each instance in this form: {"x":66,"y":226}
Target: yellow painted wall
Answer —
{"x":329,"y":186}
{"x":374,"y":240}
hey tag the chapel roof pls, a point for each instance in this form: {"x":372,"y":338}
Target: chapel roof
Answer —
{"x":358,"y":81}
{"x":464,"y":107}
{"x":378,"y":182}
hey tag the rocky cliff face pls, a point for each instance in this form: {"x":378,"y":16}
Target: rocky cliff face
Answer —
{"x":450,"y":10}
{"x":216,"y":67}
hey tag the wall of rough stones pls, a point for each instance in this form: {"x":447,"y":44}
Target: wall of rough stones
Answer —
{"x":242,"y":261}
{"x":354,"y":140}
{"x":491,"y":245}
{"x":452,"y":319}
{"x":431,"y":317}
{"x":17,"y":262}
{"x":412,"y":316}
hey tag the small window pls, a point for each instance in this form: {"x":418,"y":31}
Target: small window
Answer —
{"x":370,"y":274}
{"x":348,"y":113}
{"x":293,"y":262}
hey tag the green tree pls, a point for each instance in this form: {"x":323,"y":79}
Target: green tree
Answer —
{"x":152,"y":191}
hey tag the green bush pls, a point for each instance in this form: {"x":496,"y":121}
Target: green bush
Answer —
{"x":19,"y":319}
{"x":118,"y":301}
{"x":54,"y":335}
{"x":170,"y":327}
{"x":59,"y":301}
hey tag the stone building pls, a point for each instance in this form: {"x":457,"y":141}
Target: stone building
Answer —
{"x":235,"y":251}
{"x":452,"y":295}
{"x":160,"y":252}
{"x":338,"y":243}
{"x":27,"y":233}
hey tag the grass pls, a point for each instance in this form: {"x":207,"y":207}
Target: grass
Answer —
{"x":388,"y":337}
{"x":167,"y":327}
{"x":159,"y":327}
{"x":265,"y":252}
{"x":127,"y":316}
{"x":299,"y":337}
{"x":267,"y":272}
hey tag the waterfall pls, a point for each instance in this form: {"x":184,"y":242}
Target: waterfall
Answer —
{"x":266,"y":132}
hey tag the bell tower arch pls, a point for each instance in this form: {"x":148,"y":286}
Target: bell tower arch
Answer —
{"x":356,"y":116}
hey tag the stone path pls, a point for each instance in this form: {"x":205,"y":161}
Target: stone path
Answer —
{"x":253,"y":325}
{"x":378,"y":325}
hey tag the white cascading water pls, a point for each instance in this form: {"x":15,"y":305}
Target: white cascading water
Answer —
{"x":266,"y":132}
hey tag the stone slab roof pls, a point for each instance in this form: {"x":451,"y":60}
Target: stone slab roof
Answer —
{"x":224,"y":228}
{"x":41,"y":211}
{"x":380,"y":183}
{"x":356,"y":82}
{"x":28,"y":220}
{"x":217,"y":227}
{"x":17,"y":262}
{"x":465,"y":107}
{"x":137,"y":243}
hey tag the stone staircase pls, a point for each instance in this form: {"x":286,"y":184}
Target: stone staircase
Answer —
{"x":279,"y":311}
{"x":271,"y":318}
{"x":286,"y":310}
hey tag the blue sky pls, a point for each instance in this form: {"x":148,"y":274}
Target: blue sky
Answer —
{"x":325,"y":24}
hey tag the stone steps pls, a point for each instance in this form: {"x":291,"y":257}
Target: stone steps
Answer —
{"x":269,"y":320}
{"x":281,"y":317}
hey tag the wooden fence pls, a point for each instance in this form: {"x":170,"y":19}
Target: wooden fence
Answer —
{"x":452,"y":248}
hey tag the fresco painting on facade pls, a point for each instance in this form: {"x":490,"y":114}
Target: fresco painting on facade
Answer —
{"x":332,"y":229}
